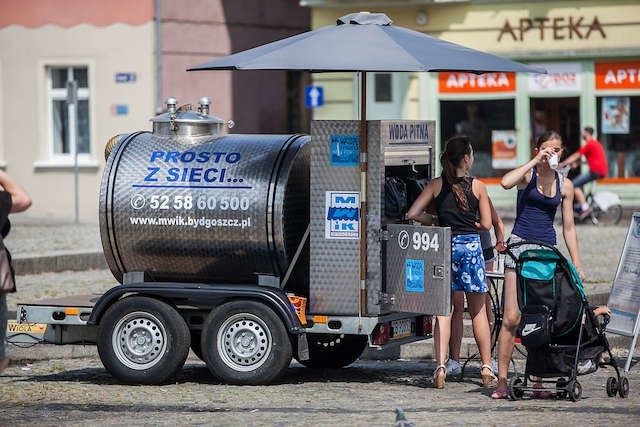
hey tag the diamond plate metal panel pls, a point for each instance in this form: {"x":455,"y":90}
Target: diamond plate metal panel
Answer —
{"x":334,"y":271}
{"x":413,"y":249}
{"x":335,"y":264}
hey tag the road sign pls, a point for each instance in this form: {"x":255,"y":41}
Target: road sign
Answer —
{"x":314,"y":96}
{"x":125,"y":77}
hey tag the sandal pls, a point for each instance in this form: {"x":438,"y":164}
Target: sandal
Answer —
{"x":499,"y":393}
{"x":490,"y":379}
{"x":438,"y":380}
{"x":542,"y":394}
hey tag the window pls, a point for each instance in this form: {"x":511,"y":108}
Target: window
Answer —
{"x":383,"y":87}
{"x":477,"y":120}
{"x":61,"y":110}
{"x":619,"y":133}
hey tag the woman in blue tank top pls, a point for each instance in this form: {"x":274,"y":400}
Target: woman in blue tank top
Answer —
{"x":460,"y":200}
{"x":541,"y":189}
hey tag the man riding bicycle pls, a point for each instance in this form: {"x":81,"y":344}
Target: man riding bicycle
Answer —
{"x":593,"y":151}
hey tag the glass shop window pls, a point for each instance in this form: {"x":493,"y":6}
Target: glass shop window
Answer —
{"x":478,"y":120}
{"x":619,"y":133}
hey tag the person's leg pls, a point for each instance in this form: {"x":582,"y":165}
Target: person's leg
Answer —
{"x":510,"y":320}
{"x":481,"y":331}
{"x":456,"y":326}
{"x":4,"y":348}
{"x":441,"y":336}
{"x":578,"y":194}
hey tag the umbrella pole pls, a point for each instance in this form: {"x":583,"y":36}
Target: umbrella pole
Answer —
{"x":363,"y":192}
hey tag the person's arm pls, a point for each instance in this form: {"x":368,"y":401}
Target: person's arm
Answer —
{"x":417,"y":210}
{"x":570,"y":160}
{"x":602,"y":309}
{"x":498,"y":228}
{"x":520,"y":175}
{"x":569,"y":227}
{"x":480,"y":191}
{"x":20,"y":200}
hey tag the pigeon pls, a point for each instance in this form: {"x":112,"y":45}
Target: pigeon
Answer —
{"x":401,"y":420}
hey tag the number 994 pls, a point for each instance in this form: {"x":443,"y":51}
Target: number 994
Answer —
{"x":425,"y":242}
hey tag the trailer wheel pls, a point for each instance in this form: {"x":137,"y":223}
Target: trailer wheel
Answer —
{"x":332,"y":351}
{"x":142,"y":340}
{"x":245,"y":342}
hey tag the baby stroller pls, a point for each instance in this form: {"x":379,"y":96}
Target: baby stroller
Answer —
{"x":559,"y":330}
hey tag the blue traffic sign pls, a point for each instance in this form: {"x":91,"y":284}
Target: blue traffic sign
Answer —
{"x":314,"y":96}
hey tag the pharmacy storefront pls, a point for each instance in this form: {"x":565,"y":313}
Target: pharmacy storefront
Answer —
{"x":602,"y":94}
{"x":593,"y":80}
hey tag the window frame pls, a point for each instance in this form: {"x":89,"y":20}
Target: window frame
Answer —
{"x":55,"y":159}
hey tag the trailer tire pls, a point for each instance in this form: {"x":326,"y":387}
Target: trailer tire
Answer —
{"x":332,"y":351}
{"x":245,"y":342}
{"x":142,"y":340}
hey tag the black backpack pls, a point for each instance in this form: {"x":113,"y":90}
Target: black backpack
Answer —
{"x":395,"y":198}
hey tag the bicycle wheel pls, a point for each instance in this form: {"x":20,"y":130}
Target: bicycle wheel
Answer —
{"x":611,"y":216}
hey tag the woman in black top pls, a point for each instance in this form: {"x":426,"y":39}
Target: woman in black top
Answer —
{"x":460,"y":200}
{"x":13,"y":198}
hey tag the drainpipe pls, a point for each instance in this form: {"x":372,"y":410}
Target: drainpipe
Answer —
{"x":158,"y":36}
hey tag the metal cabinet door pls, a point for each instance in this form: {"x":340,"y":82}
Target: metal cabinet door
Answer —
{"x":418,"y":269}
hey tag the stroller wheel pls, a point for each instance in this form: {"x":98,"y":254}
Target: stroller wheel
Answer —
{"x":575,"y":390}
{"x":623,"y":389}
{"x":514,"y":389}
{"x":612,"y":386}
{"x":561,"y":388}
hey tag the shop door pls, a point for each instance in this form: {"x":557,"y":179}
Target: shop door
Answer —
{"x":558,"y":114}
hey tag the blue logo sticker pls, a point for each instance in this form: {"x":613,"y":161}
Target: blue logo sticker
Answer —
{"x":342,"y":219}
{"x":345,"y":150}
{"x":414,"y":275}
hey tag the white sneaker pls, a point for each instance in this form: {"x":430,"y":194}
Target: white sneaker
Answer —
{"x":586,"y":367}
{"x":453,"y":367}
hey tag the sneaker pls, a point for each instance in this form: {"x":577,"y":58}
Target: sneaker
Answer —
{"x":585,"y":213}
{"x":453,"y":367}
{"x":586,"y":367}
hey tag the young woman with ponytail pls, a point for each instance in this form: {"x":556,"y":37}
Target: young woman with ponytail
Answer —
{"x":460,"y":200}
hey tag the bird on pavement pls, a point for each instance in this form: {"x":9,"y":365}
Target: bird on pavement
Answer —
{"x":401,"y":419}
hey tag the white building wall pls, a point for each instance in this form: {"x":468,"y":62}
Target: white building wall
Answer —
{"x":25,"y":148}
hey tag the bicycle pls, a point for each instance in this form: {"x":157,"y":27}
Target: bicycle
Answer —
{"x":606,"y":208}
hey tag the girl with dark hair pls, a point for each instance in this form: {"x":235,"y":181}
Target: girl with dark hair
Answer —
{"x":460,"y":200}
{"x":540,"y":190}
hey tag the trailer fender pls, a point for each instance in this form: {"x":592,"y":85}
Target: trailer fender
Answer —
{"x":205,"y":296}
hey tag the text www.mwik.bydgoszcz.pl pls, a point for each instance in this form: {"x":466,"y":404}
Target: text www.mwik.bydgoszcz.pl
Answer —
{"x":189,"y":221}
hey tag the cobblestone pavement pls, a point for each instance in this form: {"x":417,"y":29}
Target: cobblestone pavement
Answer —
{"x":81,"y":392}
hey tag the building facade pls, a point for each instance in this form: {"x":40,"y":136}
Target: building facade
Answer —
{"x":593,"y":79}
{"x":125,"y":58}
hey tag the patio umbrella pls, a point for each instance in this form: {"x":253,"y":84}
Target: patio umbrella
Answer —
{"x":362,"y":42}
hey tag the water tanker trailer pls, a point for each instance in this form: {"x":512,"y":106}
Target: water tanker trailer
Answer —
{"x":248,"y":249}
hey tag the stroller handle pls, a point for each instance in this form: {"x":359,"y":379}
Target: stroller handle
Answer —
{"x":507,"y":250}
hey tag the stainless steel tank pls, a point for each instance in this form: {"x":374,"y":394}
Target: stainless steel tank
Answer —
{"x":187,"y":203}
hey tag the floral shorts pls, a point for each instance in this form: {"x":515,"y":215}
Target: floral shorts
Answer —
{"x":467,"y":264}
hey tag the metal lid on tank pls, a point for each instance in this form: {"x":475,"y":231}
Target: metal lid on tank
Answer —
{"x":185,"y":121}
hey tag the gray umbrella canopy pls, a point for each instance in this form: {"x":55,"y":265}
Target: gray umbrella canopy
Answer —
{"x":364,"y":42}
